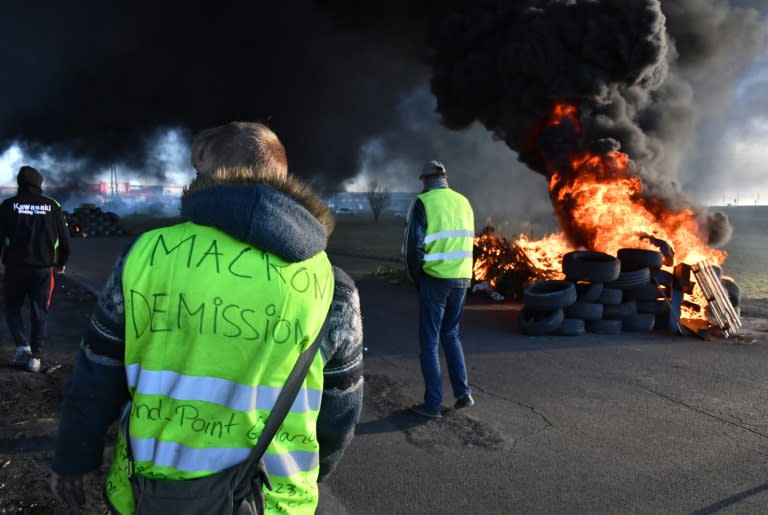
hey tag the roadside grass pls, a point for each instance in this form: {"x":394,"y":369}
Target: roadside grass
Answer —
{"x":747,"y":249}
{"x":747,"y":260}
{"x":360,"y":235}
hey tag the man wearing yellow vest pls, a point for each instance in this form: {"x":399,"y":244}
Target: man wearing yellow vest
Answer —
{"x":438,"y":253}
{"x":196,"y":332}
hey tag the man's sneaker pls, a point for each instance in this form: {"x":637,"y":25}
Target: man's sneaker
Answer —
{"x":21,"y":358}
{"x":420,"y":409}
{"x":465,"y":401}
{"x":33,"y":365}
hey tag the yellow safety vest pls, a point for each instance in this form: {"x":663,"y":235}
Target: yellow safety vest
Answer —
{"x":213,"y":329}
{"x":449,"y":235}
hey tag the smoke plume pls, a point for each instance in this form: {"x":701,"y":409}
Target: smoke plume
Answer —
{"x":627,"y":65}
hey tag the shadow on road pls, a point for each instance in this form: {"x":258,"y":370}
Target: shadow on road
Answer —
{"x":728,"y":501}
{"x":400,"y":420}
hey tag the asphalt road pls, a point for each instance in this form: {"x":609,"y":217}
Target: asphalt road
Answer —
{"x":635,"y":423}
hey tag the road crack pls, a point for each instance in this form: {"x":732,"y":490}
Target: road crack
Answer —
{"x":702,"y":412}
{"x":532,"y":409}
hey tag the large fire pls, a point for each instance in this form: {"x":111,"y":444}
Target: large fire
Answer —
{"x":601,"y":206}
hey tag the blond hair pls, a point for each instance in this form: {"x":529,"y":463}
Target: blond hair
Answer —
{"x":240,"y":144}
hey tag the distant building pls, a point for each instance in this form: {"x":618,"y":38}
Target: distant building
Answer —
{"x":121,"y":197}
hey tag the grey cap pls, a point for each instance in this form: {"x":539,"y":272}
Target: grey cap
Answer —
{"x":432,"y":168}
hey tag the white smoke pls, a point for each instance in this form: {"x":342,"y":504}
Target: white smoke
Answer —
{"x":166,"y":162}
{"x":503,"y":191}
{"x":10,"y":161}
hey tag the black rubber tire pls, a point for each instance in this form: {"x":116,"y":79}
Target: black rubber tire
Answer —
{"x":646,"y":292}
{"x":548,"y":295}
{"x":538,"y":323}
{"x":587,"y":291}
{"x":611,"y":296}
{"x":639,"y":323}
{"x":604,"y":326}
{"x":632,"y":259}
{"x":584,"y":311}
{"x":621,"y":311}
{"x":571,"y":327}
{"x":652,"y":306}
{"x":586,"y":265}
{"x":631,"y":279}
{"x":734,"y":292}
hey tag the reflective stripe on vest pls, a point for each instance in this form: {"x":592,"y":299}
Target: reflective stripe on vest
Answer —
{"x":180,"y":457}
{"x":212,"y":389}
{"x":449,"y":235}
{"x":213,"y":328}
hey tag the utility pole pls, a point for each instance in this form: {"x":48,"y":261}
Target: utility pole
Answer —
{"x":113,"y":188}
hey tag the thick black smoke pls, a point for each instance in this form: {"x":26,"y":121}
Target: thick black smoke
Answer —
{"x":90,"y":84}
{"x":507,"y":64}
{"x":622,"y":63}
{"x":96,"y":79}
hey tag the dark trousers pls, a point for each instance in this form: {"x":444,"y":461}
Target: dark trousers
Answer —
{"x":37,"y":285}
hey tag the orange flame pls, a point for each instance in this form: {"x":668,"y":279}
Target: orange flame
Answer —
{"x":604,"y":204}
{"x":546,"y":253}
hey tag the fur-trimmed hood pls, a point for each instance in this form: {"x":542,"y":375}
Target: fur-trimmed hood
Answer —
{"x":279,"y":215}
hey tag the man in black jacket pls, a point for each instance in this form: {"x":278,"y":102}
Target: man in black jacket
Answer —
{"x":34,"y":241}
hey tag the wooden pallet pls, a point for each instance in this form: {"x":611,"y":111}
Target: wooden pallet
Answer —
{"x":721,"y":311}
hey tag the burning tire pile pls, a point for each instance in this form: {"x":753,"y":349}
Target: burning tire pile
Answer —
{"x":90,"y":220}
{"x":603,"y":294}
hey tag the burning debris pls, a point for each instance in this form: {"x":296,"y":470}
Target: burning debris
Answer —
{"x":500,"y":267}
{"x":595,"y":292}
{"x":603,"y":207}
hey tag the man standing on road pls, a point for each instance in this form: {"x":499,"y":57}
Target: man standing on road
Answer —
{"x":34,"y":241}
{"x":438,"y":252}
{"x":198,"y":328}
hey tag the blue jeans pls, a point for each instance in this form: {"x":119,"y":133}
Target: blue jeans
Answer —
{"x":440,"y":309}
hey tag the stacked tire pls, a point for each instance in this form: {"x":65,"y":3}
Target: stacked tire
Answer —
{"x":592,"y":272}
{"x":601,"y":294}
{"x":644,"y":286}
{"x":575,"y":305}
{"x":90,"y":220}
{"x":543,"y":305}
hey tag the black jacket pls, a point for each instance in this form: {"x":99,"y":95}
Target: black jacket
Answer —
{"x":33,"y":231}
